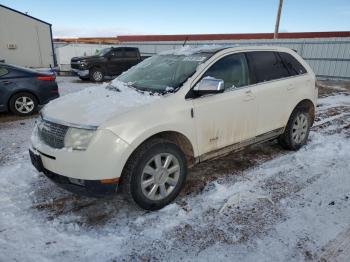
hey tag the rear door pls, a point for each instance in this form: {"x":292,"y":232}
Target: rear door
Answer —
{"x":271,"y":82}
{"x":132,"y":57}
{"x":230,"y":117}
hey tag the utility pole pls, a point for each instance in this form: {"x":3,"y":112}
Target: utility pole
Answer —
{"x":275,"y":35}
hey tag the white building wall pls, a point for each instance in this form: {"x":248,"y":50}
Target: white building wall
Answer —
{"x":32,"y":39}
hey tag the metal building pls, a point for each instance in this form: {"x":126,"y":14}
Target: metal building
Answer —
{"x":328,"y":53}
{"x":25,"y":40}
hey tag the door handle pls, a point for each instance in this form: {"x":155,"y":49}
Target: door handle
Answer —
{"x":6,"y":82}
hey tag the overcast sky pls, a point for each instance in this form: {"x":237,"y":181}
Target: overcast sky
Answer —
{"x":110,"y":18}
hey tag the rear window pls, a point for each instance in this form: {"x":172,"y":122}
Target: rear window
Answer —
{"x":130,"y":52}
{"x":267,"y":66}
{"x":293,"y":65}
{"x":3,"y":71}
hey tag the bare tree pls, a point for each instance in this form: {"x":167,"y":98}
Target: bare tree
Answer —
{"x":275,"y":35}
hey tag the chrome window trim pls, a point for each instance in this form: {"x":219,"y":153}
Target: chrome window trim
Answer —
{"x":195,"y":81}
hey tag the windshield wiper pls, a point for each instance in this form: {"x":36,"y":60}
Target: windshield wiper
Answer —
{"x":112,"y":88}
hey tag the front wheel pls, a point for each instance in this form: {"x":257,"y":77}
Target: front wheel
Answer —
{"x":96,"y":75}
{"x":154,"y":174}
{"x":297,"y":130}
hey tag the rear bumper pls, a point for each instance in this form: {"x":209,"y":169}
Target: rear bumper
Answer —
{"x":93,"y":188}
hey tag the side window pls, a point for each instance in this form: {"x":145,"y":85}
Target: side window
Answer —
{"x":232,"y":69}
{"x":130,"y":53}
{"x":293,"y":65}
{"x":117,"y":53}
{"x":267,"y":66}
{"x":3,"y":71}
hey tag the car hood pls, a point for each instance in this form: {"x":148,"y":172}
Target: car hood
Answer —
{"x":85,"y":58}
{"x":95,"y":105}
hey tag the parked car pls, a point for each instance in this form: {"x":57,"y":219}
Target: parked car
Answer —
{"x":22,"y":90}
{"x":170,"y":112}
{"x":108,"y":62}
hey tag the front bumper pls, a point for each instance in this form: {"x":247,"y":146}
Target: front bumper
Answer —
{"x":82,"y":73}
{"x":104,"y":158}
{"x":94,"y":188}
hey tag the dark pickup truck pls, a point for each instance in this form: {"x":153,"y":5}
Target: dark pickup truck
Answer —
{"x":110,"y":62}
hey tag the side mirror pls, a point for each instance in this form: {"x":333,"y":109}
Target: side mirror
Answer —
{"x":209,"y":85}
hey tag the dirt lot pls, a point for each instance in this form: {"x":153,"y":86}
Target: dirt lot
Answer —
{"x":261,"y":204}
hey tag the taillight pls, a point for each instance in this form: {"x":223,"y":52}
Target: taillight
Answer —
{"x":46,"y":78}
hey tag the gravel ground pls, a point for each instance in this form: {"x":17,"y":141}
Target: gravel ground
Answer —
{"x":260,"y":204}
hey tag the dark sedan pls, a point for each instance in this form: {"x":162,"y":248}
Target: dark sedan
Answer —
{"x":22,"y":90}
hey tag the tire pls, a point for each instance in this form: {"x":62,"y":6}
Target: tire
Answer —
{"x":297,"y":130}
{"x":23,"y":104}
{"x":96,"y":74}
{"x":161,"y":184}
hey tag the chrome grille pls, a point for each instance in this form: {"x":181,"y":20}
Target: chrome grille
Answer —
{"x":52,"y":134}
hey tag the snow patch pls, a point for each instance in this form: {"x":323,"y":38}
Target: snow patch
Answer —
{"x":95,"y":105}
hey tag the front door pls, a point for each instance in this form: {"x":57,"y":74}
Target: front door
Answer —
{"x":116,"y":62}
{"x":228,"y":118}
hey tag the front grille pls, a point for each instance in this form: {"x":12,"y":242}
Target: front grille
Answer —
{"x":52,"y":134}
{"x":75,"y":65}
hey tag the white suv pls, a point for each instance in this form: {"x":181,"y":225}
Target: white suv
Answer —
{"x":142,"y":131}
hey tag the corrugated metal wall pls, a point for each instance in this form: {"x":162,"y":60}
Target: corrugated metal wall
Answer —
{"x":329,"y":57}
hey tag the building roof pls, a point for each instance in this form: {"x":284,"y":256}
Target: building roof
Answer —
{"x":89,"y":40}
{"x":18,"y":12}
{"x":203,"y":37}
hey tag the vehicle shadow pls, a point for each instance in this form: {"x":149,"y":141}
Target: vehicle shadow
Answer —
{"x":9,"y":117}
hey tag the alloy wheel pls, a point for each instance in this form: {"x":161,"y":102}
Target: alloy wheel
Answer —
{"x":300,"y":127}
{"x":160,"y":176}
{"x":24,"y":104}
{"x":97,"y":75}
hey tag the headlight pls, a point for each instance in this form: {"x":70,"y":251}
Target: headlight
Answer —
{"x":83,"y":64}
{"x":78,"y":138}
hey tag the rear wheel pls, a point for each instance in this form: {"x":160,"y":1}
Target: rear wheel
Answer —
{"x":297,"y":130}
{"x":23,"y":104}
{"x":154,"y":174}
{"x":96,"y":75}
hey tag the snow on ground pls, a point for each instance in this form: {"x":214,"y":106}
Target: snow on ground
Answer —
{"x":280,"y":205}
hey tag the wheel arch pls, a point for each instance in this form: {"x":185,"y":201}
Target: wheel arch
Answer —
{"x":174,"y":136}
{"x":97,"y":66}
{"x":22,"y":91}
{"x":308,"y":105}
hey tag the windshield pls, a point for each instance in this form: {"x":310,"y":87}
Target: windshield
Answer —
{"x":104,"y":51}
{"x":163,"y":73}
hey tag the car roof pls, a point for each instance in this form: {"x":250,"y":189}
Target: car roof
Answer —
{"x":213,"y":49}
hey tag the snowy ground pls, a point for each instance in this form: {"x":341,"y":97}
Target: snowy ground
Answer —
{"x":261,"y":204}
